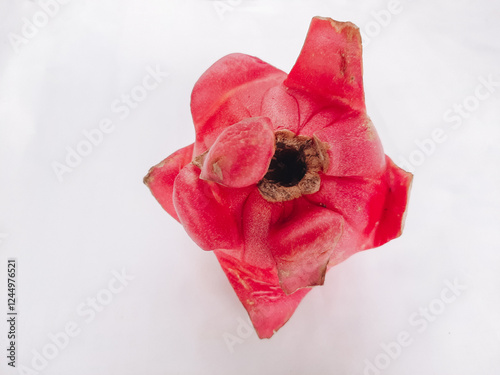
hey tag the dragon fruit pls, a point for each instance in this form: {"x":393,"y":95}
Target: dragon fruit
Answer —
{"x":287,"y":176}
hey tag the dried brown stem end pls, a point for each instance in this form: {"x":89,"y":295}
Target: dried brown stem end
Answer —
{"x":294,"y":168}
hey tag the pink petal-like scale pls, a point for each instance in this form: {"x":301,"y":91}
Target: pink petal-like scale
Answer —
{"x":241,"y":154}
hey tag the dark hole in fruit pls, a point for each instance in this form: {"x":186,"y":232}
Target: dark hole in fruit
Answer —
{"x":287,"y":167}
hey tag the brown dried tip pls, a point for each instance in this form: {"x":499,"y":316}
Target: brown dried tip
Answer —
{"x":294,"y":168}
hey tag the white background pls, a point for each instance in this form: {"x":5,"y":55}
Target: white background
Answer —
{"x":176,"y":314}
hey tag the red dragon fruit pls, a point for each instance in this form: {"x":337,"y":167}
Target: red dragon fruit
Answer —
{"x":287,"y":176}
